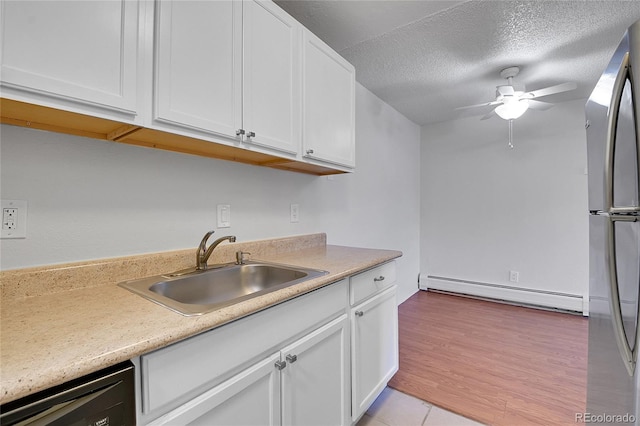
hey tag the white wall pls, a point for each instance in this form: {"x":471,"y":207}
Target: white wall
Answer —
{"x":488,"y":209}
{"x":91,"y":199}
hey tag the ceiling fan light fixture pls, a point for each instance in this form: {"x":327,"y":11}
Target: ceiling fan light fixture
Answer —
{"x":512,"y":108}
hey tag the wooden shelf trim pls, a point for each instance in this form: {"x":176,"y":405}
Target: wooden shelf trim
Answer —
{"x":22,"y":114}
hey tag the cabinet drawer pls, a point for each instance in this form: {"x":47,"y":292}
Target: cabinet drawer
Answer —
{"x":372,"y":281}
{"x":177,"y":373}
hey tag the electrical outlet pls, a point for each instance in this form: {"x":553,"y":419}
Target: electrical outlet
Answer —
{"x":9,"y":219}
{"x":514,"y":276}
{"x":14,"y":219}
{"x":295,"y":213}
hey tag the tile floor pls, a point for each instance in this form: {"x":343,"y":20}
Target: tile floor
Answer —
{"x":394,"y":408}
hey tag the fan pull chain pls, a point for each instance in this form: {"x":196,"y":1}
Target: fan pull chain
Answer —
{"x":510,"y":145}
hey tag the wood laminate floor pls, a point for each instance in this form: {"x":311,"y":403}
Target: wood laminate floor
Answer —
{"x":495,"y":363}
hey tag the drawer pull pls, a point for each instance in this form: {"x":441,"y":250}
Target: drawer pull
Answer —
{"x":359,"y":313}
{"x":280,"y":365}
{"x":292,"y":358}
{"x":380,"y":278}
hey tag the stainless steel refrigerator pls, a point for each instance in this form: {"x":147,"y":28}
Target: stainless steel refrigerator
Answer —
{"x":613,"y":130}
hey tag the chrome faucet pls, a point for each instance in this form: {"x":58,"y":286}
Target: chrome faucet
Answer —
{"x":203,"y":253}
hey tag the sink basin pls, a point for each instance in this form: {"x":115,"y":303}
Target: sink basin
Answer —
{"x":200,"y":292}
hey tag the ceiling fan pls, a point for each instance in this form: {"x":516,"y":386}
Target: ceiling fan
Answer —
{"x":512,"y":103}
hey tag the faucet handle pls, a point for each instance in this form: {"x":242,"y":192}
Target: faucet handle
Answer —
{"x":240,"y":257}
{"x":201,"y":253}
{"x":203,"y":243}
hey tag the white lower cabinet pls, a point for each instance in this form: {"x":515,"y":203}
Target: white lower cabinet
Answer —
{"x":249,"y":398}
{"x":374,"y":346}
{"x":289,"y":364}
{"x":305,"y":383}
{"x":309,"y":361}
{"x":315,"y":379}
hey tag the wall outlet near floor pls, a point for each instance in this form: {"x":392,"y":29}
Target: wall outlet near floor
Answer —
{"x":295,"y":213}
{"x":514,"y":276}
{"x":14,"y":219}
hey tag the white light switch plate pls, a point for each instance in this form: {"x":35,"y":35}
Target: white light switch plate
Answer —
{"x":14,"y":219}
{"x":295,"y":213}
{"x":224,"y":216}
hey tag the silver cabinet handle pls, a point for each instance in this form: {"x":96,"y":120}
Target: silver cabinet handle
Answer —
{"x":240,"y":132}
{"x":359,"y":313}
{"x":380,"y":278}
{"x":280,"y":364}
{"x":292,"y":358}
{"x":309,"y":151}
{"x":251,"y":135}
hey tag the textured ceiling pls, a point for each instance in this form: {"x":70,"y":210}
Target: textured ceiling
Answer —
{"x":426,"y":58}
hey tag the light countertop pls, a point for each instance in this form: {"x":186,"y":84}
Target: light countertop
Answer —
{"x":49,"y":339}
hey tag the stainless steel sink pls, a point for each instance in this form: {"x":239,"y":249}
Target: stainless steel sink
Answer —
{"x":199,"y":292}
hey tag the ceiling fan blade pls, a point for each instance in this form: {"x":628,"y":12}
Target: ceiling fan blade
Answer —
{"x":489,"y":115}
{"x":564,"y":87}
{"x":539,"y":105}
{"x":505,"y":90}
{"x":479,"y":105}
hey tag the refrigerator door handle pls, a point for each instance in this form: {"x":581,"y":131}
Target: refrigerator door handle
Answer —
{"x":625,"y":218}
{"x":624,"y":348}
{"x":612,"y":123}
{"x":616,"y":210}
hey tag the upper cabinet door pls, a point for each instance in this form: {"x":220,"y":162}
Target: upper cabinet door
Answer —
{"x":328,"y":104}
{"x":198,"y":47}
{"x":80,"y":51}
{"x":271,"y":90}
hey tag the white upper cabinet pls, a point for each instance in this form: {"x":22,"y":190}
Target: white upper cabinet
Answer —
{"x":229,"y":68}
{"x":328,"y":103}
{"x":271,"y":89}
{"x":198,"y":65}
{"x":72,"y":55}
{"x":234,"y":79}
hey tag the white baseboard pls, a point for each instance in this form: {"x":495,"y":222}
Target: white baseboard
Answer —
{"x":525,"y":296}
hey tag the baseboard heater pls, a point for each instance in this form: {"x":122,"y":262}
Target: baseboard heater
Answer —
{"x":518,"y":295}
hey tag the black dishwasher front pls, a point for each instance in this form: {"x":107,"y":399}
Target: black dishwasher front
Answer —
{"x":103,"y":398}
